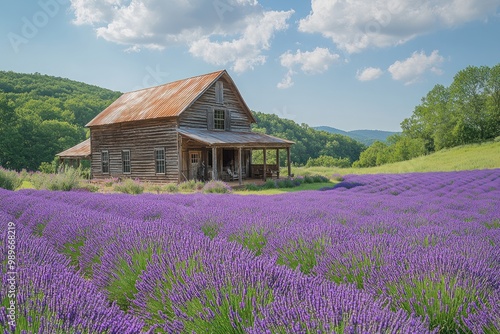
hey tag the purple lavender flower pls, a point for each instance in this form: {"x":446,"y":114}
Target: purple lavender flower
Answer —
{"x":402,"y":253}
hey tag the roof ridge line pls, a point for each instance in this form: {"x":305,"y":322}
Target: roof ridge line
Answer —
{"x":178,"y":80}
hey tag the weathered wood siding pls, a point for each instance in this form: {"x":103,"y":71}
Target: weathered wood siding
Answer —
{"x":141,"y":138}
{"x":196,"y":115}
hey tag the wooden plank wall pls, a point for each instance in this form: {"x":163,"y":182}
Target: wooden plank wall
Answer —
{"x":141,"y":138}
{"x":196,"y":115}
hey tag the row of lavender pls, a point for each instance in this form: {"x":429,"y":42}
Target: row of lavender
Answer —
{"x":171,"y":279}
{"x":46,"y":295}
{"x":368,"y":258}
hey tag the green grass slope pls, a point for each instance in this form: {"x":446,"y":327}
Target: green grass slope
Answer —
{"x":467,"y":157}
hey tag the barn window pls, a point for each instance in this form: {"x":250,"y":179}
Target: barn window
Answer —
{"x":126,"y":161}
{"x":219,"y":92}
{"x":105,"y":162}
{"x":219,"y":119}
{"x":160,"y":160}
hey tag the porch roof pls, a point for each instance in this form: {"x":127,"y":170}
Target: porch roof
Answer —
{"x":79,"y":151}
{"x":234,"y":138}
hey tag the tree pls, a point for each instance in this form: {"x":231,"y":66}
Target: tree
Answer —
{"x":49,"y":108}
{"x":431,"y":121}
{"x":9,"y":135}
{"x":468,"y":102}
{"x":405,"y":148}
{"x":467,"y":111}
{"x":374,"y":155}
{"x":493,"y":101}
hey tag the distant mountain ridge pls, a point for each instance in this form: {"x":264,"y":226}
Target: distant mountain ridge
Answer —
{"x":366,"y":137}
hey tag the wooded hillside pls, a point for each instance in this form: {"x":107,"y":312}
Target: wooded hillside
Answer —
{"x":309,"y":143}
{"x":41,"y":115}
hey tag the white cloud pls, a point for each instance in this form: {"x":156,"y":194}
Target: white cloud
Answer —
{"x":369,"y":73}
{"x":411,"y":69}
{"x":221,"y":32}
{"x":88,"y":12}
{"x":358,"y":24}
{"x":287,"y":81}
{"x":246,"y":51}
{"x":310,"y":62}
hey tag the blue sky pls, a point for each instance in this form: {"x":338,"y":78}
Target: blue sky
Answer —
{"x":350,"y":64}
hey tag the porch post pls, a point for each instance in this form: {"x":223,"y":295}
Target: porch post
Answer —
{"x":265,"y":166}
{"x":289,"y":162}
{"x":278,"y":163}
{"x":179,"y":159}
{"x":239,"y":166}
{"x":214,"y":163}
{"x":250,"y":169}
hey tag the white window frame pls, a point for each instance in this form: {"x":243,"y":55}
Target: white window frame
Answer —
{"x":125,"y":161}
{"x":157,"y":161}
{"x":218,"y":120}
{"x":105,"y":162}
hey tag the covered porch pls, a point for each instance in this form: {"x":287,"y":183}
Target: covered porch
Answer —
{"x":223,"y":155}
{"x":74,"y":156}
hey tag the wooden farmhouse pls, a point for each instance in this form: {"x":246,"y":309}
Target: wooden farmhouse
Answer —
{"x":196,"y":128}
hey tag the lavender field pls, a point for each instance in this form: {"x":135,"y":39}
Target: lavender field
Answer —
{"x":407,"y":253}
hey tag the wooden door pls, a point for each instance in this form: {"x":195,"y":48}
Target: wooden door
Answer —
{"x":194,"y":164}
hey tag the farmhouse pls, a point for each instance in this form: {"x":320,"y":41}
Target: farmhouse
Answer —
{"x":196,"y":128}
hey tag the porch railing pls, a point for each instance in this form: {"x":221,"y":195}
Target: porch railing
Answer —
{"x":272,"y":170}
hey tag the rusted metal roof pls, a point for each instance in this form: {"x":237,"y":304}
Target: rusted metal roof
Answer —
{"x":233,"y":138}
{"x":168,"y":100}
{"x":81,"y":151}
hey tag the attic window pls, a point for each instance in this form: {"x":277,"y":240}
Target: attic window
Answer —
{"x":219,"y":92}
{"x":219,"y":119}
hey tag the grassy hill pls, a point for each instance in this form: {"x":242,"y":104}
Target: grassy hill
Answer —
{"x":467,"y":157}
